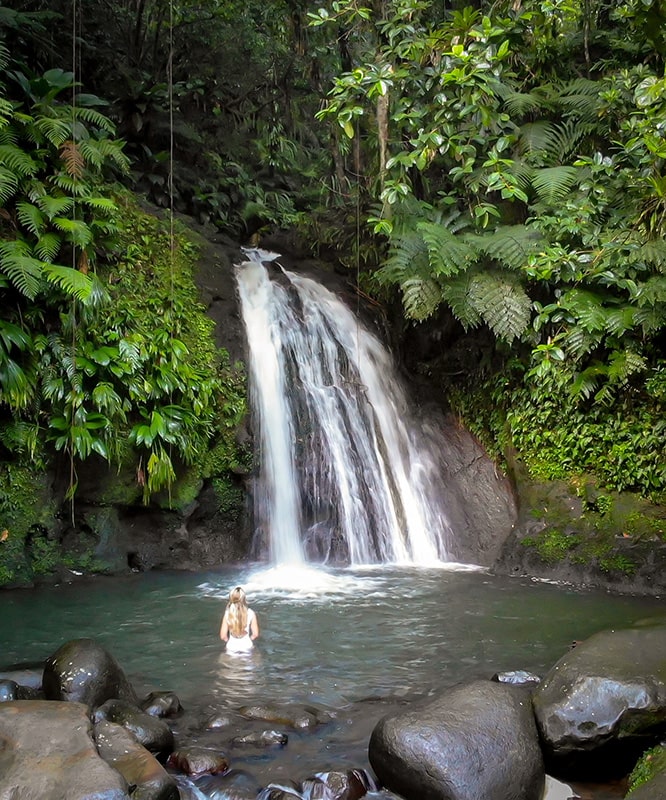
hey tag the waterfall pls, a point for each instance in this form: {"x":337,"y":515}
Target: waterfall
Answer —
{"x":344,"y":472}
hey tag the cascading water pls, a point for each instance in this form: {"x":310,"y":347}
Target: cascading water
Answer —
{"x":344,"y":474}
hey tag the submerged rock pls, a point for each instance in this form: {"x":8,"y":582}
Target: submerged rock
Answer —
{"x":198,"y":761}
{"x":161,"y":704}
{"x":476,"y":741}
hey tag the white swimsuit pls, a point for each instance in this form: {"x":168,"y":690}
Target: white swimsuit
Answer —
{"x":242,"y":644}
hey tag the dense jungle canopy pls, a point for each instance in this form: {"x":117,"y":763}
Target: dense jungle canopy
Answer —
{"x":494,"y":170}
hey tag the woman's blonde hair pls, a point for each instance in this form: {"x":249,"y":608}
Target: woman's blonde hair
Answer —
{"x":237,"y":612}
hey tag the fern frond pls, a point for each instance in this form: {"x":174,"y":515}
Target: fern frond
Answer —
{"x":651,"y":319}
{"x":587,"y":381}
{"x":408,"y":255}
{"x":502,"y":303}
{"x":24,"y":271}
{"x":568,"y":135}
{"x":98,"y":151}
{"x":420,"y":297}
{"x":56,"y":131}
{"x":580,"y":97}
{"x":447,"y":253}
{"x":456,"y":293}
{"x":70,"y":185}
{"x":17,"y":160}
{"x":48,"y":247}
{"x":623,"y":364}
{"x":620,"y":320}
{"x":30,"y":217}
{"x":553,"y":183}
{"x":71,"y":281}
{"x":510,"y":245}
{"x":578,"y":342}
{"x":588,"y":308}
{"x":103,"y":204}
{"x":652,"y":251}
{"x":73,"y":158}
{"x":520,"y":104}
{"x":539,"y":138}
{"x":93,"y":117}
{"x":54,"y":206}
{"x":79,"y":232}
{"x":8,"y":184}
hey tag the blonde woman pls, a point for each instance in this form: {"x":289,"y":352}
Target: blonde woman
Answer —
{"x":239,"y":626}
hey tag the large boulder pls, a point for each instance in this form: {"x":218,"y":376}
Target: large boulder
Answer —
{"x":474,"y":742}
{"x":119,"y":748}
{"x":604,"y":703}
{"x":83,"y":671}
{"x":48,"y":753}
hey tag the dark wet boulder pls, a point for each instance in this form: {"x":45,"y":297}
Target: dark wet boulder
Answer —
{"x":195,"y":761}
{"x":10,"y":690}
{"x":153,"y":733}
{"x":349,"y":784}
{"x":83,"y":671}
{"x":161,"y":704}
{"x":119,"y":748}
{"x":261,"y":738}
{"x":48,"y":753}
{"x":476,"y":741}
{"x":604,"y":703}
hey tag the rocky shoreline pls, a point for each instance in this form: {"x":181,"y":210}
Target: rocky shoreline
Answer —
{"x":77,"y":729}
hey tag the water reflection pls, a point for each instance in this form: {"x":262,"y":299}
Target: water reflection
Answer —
{"x":240,"y":675}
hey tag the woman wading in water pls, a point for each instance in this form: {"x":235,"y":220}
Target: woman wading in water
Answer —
{"x":239,"y":626}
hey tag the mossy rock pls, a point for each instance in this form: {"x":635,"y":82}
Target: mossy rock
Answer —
{"x":648,"y":778}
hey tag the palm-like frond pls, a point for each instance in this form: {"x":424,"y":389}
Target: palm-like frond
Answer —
{"x":54,"y":206}
{"x":77,"y":230}
{"x":17,"y":160}
{"x":55,"y":131}
{"x":539,"y":138}
{"x":552,"y":184}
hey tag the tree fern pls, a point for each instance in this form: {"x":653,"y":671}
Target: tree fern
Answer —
{"x":421,"y":297}
{"x":457,"y":293}
{"x":502,"y":303}
{"x":447,"y":253}
{"x":510,"y":245}
{"x":408,"y":255}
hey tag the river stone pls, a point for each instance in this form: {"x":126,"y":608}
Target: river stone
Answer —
{"x":604,"y":703}
{"x":294,"y":716}
{"x":119,"y":748}
{"x":198,"y":761}
{"x":476,"y":741}
{"x":48,"y":753}
{"x":153,"y":733}
{"x":261,"y":738}
{"x":344,"y":785}
{"x":161,"y":704}
{"x":85,"y":672}
{"x":236,"y":784}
